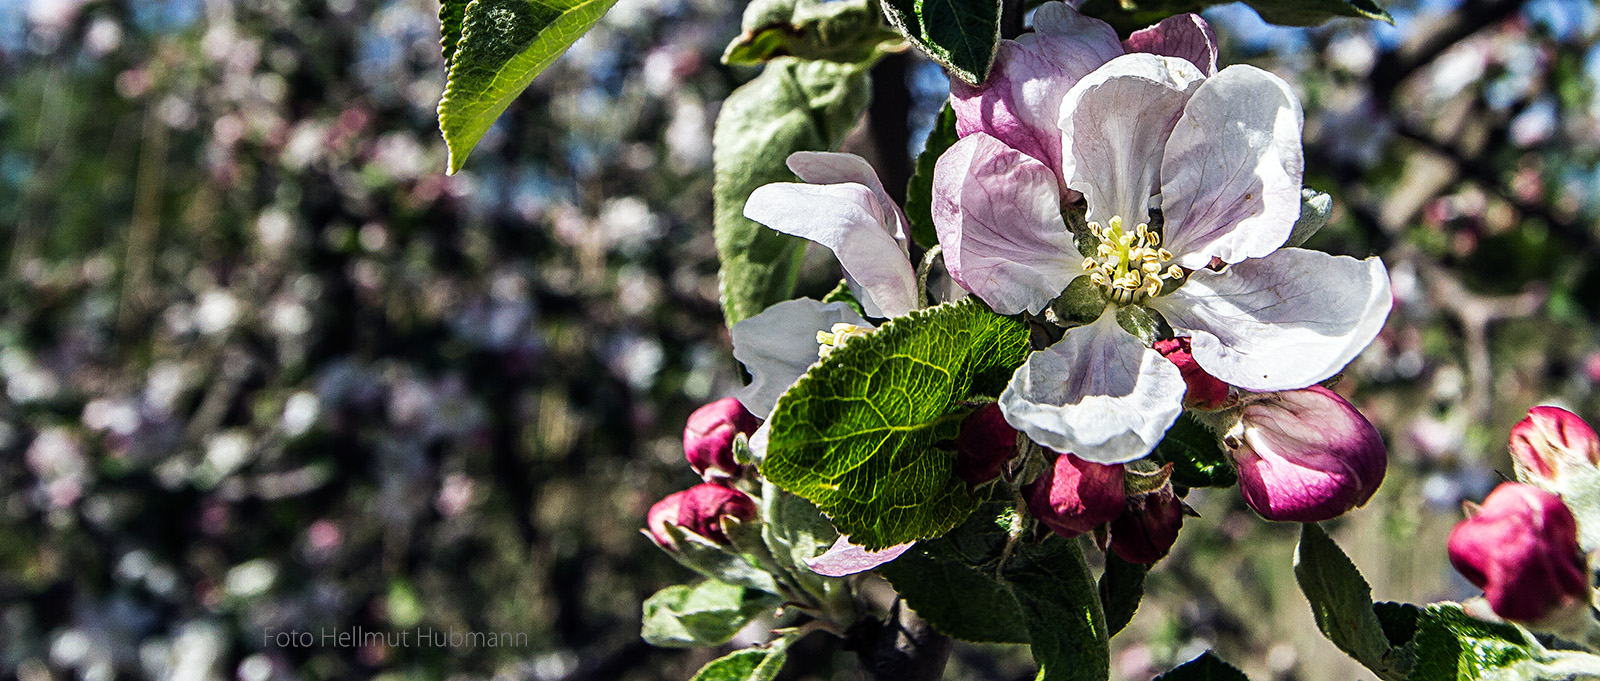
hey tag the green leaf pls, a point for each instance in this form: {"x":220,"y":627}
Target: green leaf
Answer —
{"x":1196,"y":455}
{"x":1207,"y":667}
{"x":961,"y":35}
{"x":919,"y":192}
{"x":1131,"y":15}
{"x":1315,"y":207}
{"x":1454,"y":646}
{"x":708,"y":613}
{"x":843,"y":294}
{"x":502,"y":46}
{"x":1341,"y":601}
{"x":848,"y":31}
{"x":1121,"y":589}
{"x":719,"y":562}
{"x":451,"y":13}
{"x":751,"y":664}
{"x":1059,"y":603}
{"x":951,"y":581}
{"x":855,"y":435}
{"x":792,"y":106}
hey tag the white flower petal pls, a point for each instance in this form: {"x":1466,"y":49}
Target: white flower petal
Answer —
{"x":780,"y":344}
{"x":1114,"y":126}
{"x":1099,"y":393}
{"x":844,"y":558}
{"x":847,"y":219}
{"x":1281,"y":322}
{"x":998,"y":215}
{"x":830,"y":167}
{"x":1231,"y":176}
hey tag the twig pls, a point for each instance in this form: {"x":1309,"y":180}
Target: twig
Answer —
{"x":903,"y":647}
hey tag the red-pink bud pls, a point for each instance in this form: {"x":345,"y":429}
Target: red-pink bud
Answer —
{"x":985,"y":444}
{"x":1205,"y":391}
{"x":708,"y":437}
{"x":1521,"y":548}
{"x":1552,"y":439}
{"x":1307,"y":456}
{"x":1144,"y":533}
{"x":699,"y":509}
{"x":1074,"y":496}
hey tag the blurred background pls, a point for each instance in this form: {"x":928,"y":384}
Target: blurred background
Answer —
{"x":264,"y":368}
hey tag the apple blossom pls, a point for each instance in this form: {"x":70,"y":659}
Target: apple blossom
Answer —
{"x":700,"y":510}
{"x":1074,"y":496}
{"x":780,"y":344}
{"x":1147,"y":528}
{"x":1306,"y":455}
{"x":985,"y":444}
{"x":709,"y":434}
{"x":1521,"y":548}
{"x":1203,"y":391}
{"x":1222,"y":150}
{"x":1550,"y":440}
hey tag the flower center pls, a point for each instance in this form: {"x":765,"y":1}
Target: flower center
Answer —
{"x":828,"y":341}
{"x":1129,"y":265}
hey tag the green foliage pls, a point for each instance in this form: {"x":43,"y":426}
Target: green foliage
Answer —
{"x":951,"y":581}
{"x":843,"y":294}
{"x":977,"y":583}
{"x":919,"y":192}
{"x":708,"y":613}
{"x":1207,"y":667}
{"x":1130,"y":15}
{"x":961,"y":35}
{"x":1121,"y":589}
{"x":1341,"y":601}
{"x":493,"y":50}
{"x":1196,"y":455}
{"x":1065,"y":623}
{"x":753,"y":664}
{"x":1315,"y":207}
{"x":855,"y":435}
{"x":719,"y":563}
{"x":792,"y":106}
{"x":1453,"y":645}
{"x":848,"y":31}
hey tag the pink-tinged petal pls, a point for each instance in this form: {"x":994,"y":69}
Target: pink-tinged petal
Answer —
{"x":1115,"y":124}
{"x":849,"y":220}
{"x":1521,"y":548}
{"x":709,"y":434}
{"x":699,"y":509}
{"x":1020,"y":100}
{"x":1074,"y":496}
{"x":780,"y":344}
{"x":1099,"y":392}
{"x":1552,"y":440}
{"x":986,"y":442}
{"x":1281,"y":322}
{"x":998,"y":215}
{"x":830,"y":167}
{"x":844,"y":558}
{"x":1186,"y":36}
{"x":1307,"y":456}
{"x":1230,"y":178}
{"x":1205,"y":391}
{"x":1146,"y":531}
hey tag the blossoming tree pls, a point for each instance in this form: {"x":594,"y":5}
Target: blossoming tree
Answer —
{"x":1131,"y":317}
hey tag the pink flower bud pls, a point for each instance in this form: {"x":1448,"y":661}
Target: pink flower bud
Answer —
{"x":1074,"y":496}
{"x":985,"y":444}
{"x":1144,"y":533}
{"x":1306,"y":456}
{"x":708,"y":437}
{"x":1521,"y":548}
{"x":1205,"y":390}
{"x":1552,"y":439}
{"x":699,"y":509}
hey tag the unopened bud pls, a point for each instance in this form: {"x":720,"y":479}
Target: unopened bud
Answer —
{"x":1551,"y":440}
{"x":1074,"y":496}
{"x":1146,"y":530}
{"x":708,"y":437}
{"x":1205,"y":391}
{"x":1306,"y":455}
{"x":1521,"y":548}
{"x":985,"y":444}
{"x":700,"y":510}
